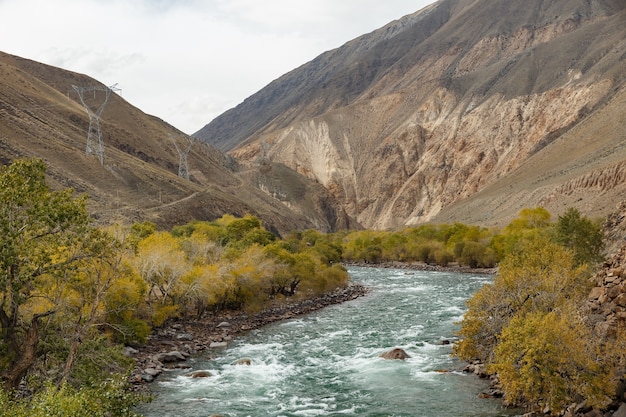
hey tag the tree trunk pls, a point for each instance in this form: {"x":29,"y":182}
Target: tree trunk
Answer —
{"x":25,"y":356}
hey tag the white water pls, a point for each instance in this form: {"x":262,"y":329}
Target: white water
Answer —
{"x":327,"y":363}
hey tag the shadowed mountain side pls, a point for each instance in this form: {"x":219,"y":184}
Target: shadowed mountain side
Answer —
{"x":430,"y":109}
{"x":41,"y":116}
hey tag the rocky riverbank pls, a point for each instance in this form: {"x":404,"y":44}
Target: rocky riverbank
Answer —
{"x":170,"y":346}
{"x":422,"y":266}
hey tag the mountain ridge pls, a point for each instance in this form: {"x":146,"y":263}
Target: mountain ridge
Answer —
{"x":41,"y":116}
{"x":403,"y":127}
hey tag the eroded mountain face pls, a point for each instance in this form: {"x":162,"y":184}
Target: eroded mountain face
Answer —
{"x":406,"y":123}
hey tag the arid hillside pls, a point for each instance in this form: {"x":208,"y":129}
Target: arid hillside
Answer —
{"x":466,"y":110}
{"x":41,"y":116}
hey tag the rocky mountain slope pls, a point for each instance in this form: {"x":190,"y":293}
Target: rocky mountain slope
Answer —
{"x":41,"y":116}
{"x":466,"y":110}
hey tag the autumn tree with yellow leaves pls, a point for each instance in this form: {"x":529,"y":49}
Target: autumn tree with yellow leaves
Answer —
{"x":529,"y":326}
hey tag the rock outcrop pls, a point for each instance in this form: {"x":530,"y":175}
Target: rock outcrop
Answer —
{"x":607,"y":301}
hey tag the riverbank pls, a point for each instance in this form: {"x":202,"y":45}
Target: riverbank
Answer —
{"x":422,"y":266}
{"x":170,"y":345}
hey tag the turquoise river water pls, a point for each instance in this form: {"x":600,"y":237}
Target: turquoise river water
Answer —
{"x":327,"y":363}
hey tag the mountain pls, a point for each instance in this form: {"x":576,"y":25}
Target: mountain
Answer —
{"x":41,"y":116}
{"x":467,"y":110}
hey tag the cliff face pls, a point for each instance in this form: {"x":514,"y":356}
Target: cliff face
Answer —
{"x":405,"y":124}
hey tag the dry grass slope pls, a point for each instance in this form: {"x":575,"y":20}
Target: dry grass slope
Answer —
{"x":41,"y":116}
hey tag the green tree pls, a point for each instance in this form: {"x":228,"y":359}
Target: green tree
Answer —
{"x":106,"y":399}
{"x":138,"y":232}
{"x":38,"y":228}
{"x":581,"y":235}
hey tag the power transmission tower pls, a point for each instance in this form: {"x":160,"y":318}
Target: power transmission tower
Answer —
{"x":183,"y":150}
{"x":94,"y":136}
{"x":265,"y":163}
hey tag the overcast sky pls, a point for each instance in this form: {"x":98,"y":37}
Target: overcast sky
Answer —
{"x":187,"y":61}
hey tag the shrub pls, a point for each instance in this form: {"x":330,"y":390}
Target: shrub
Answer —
{"x":548,"y":359}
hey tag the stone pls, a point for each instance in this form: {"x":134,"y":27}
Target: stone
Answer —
{"x":152,"y":371}
{"x":184,"y":337}
{"x":491,"y":393}
{"x":199,"y":374}
{"x":596,"y":292}
{"x":129,"y":351}
{"x":173,"y":356}
{"x":244,"y":361}
{"x":614,"y":292}
{"x":147,"y":378}
{"x":621,"y":411}
{"x":395,"y":354}
{"x":180,"y":366}
{"x":620,"y":300}
{"x":215,"y":345}
{"x":480,"y":370}
{"x":223,"y":324}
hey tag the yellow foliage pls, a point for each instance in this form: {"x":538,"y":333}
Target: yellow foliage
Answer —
{"x":164,"y":312}
{"x":126,"y":296}
{"x":161,"y":263}
{"x":526,"y":327}
{"x":548,"y":359}
{"x":539,"y":278}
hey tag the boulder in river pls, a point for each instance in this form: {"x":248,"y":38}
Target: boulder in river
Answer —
{"x":397,"y":354}
{"x":199,"y":374}
{"x":244,"y":361}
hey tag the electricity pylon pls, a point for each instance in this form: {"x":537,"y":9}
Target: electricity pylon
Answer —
{"x":183,"y":150}
{"x":94,"y":136}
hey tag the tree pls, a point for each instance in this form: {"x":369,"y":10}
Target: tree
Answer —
{"x":85,"y":292}
{"x":530,"y":224}
{"x":581,"y":235}
{"x":550,"y":359}
{"x":161,"y":263}
{"x":539,"y":278}
{"x":38,"y":228}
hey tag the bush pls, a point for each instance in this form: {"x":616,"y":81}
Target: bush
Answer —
{"x":476,"y":255}
{"x":540,"y":277}
{"x":105,"y":399}
{"x":527,"y":328}
{"x":548,"y":359}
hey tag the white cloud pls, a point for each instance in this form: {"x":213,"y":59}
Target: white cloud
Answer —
{"x":187,"y":61}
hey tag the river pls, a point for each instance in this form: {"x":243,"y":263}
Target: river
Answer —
{"x":327,"y":363}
